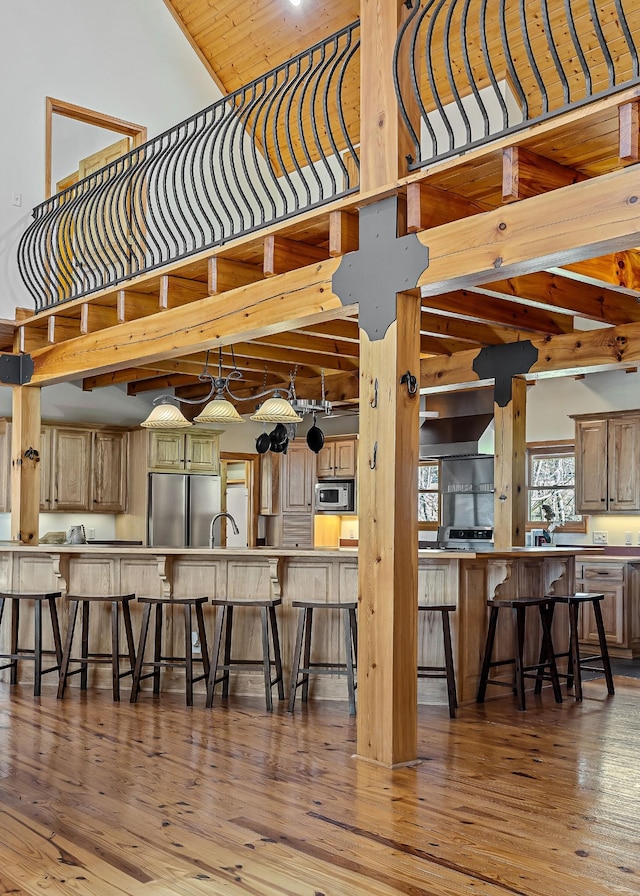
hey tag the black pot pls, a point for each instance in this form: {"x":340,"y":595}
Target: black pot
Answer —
{"x":315,"y":439}
{"x":263,"y":443}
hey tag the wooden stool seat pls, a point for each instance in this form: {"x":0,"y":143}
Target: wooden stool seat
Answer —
{"x":447,"y":671}
{"x":115,"y":602}
{"x":269,"y":630}
{"x":302,"y":651}
{"x":518,"y":608}
{"x":159,"y":661}
{"x":36,"y":654}
{"x":576,"y":662}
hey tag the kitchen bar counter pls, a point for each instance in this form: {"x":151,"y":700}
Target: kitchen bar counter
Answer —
{"x":464,"y":578}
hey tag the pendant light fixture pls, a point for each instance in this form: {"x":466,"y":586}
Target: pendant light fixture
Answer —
{"x":218,"y":409}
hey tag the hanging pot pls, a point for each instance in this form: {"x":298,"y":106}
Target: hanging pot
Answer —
{"x":263,"y":443}
{"x":278,"y":438}
{"x":315,"y":438}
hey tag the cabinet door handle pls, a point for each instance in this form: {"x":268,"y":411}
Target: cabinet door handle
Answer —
{"x":602,"y":572}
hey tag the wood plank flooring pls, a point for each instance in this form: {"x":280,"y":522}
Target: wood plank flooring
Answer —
{"x":99,"y":798}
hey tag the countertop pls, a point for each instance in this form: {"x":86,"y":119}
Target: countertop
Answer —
{"x":343,"y":552}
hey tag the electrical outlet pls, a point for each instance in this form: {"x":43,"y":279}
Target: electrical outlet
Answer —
{"x":91,"y":533}
{"x":600,"y":538}
{"x":195,"y":643}
{"x":628,"y":537}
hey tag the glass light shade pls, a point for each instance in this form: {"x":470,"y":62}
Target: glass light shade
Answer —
{"x":276,"y":410}
{"x":166,"y":416}
{"x":219,"y":410}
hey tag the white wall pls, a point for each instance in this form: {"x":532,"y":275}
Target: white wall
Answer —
{"x":125,"y":58}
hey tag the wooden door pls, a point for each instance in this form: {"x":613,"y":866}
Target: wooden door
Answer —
{"x":108,"y":469}
{"x":104,"y":231}
{"x":71,"y":467}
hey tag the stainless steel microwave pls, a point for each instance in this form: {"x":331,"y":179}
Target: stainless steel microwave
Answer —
{"x":335,"y":496}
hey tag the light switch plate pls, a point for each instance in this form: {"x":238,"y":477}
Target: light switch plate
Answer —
{"x":628,"y":537}
{"x":600,"y":538}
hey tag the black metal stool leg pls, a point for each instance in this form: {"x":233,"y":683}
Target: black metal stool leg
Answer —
{"x":296,"y":658}
{"x":217,"y":641}
{"x":66,"y":653}
{"x":277,"y":656}
{"x":15,"y":625}
{"x":84,"y":651}
{"x":574,"y":673}
{"x":157,"y":650}
{"x":545,"y":618}
{"x":450,"y":669}
{"x":348,"y":658}
{"x":115,"y":650}
{"x":144,"y":630}
{"x":266,"y":659}
{"x":518,"y":646}
{"x":488,"y":651}
{"x":604,"y":650}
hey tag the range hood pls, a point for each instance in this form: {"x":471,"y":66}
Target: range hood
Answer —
{"x":464,"y":425}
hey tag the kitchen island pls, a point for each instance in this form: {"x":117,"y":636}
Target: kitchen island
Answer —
{"x":466,"y":579}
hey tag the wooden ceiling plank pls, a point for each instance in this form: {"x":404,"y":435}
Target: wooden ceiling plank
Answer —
{"x":566,"y":226}
{"x":342,"y":329}
{"x":303,"y":342}
{"x":295,"y":357}
{"x":96,"y":317}
{"x":61,"y":327}
{"x":226,"y":273}
{"x":343,"y":233}
{"x":467,"y":330}
{"x":429,"y":206}
{"x":619,"y":272}
{"x":282,"y":254}
{"x":156,"y":383}
{"x":115,"y":377}
{"x":176,"y":291}
{"x":526,"y":174}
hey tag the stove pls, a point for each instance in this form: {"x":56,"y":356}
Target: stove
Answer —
{"x":465,"y":538}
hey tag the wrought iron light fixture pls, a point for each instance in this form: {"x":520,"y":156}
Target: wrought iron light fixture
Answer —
{"x":166,"y":413}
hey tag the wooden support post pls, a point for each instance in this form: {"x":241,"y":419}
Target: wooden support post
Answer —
{"x":25,"y":465}
{"x":510,"y":506}
{"x":388,"y":548}
{"x":629,"y":133}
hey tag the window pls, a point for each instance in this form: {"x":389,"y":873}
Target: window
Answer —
{"x":428,"y":495}
{"x":551,"y":487}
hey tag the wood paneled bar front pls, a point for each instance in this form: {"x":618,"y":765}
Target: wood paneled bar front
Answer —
{"x":464,"y":579}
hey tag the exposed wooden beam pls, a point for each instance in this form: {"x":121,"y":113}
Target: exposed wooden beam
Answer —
{"x":303,"y":342}
{"x":465,"y":304}
{"x":629,"y":133}
{"x":293,"y":357}
{"x":429,"y":206}
{"x":568,"y":354}
{"x":96,"y":317}
{"x":526,"y":174}
{"x":343,"y":329}
{"x":129,"y":374}
{"x":553,"y":290}
{"x":619,"y":272}
{"x":282,"y":254}
{"x":343,"y":233}
{"x":577,"y":222}
{"x":226,"y":273}
{"x":176,"y":291}
{"x":300,"y":297}
{"x":132,"y":305}
{"x":467,"y":330}
{"x":156,"y":383}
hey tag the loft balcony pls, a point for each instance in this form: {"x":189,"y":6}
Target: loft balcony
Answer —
{"x":288,"y":144}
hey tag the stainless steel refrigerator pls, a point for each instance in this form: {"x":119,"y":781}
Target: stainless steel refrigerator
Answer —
{"x":181,"y":507}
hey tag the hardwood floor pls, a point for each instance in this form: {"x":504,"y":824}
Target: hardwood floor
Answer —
{"x":97,"y":798}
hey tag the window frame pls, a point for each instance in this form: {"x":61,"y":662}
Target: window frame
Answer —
{"x":551,"y":449}
{"x":426,"y":525}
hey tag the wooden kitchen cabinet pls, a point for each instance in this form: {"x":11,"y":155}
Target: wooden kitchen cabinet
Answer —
{"x":619,"y":581}
{"x":5,"y":466}
{"x":607,"y":462}
{"x":197,"y":452}
{"x":298,"y":479}
{"x":270,"y":465}
{"x":109,"y":472}
{"x":83,"y":469}
{"x":70,"y":464}
{"x":337,"y":458}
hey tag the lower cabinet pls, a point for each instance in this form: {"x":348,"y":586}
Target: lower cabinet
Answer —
{"x":619,"y":581}
{"x":297,"y":530}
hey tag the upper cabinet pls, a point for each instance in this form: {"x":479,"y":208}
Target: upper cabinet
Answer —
{"x":607,"y":459}
{"x":298,"y":478}
{"x":83,"y":469}
{"x":196,"y":452}
{"x":338,"y":458}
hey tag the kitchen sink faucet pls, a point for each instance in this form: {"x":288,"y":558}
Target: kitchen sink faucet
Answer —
{"x":236,"y":531}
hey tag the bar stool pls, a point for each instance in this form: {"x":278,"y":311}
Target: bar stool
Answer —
{"x":269,"y":629}
{"x":518,"y":609}
{"x":303,"y":637}
{"x":24,"y":653}
{"x":114,"y":602}
{"x":577,"y":663}
{"x":159,"y":661}
{"x":447,"y":671}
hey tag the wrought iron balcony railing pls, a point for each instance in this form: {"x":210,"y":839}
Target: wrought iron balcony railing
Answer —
{"x":283,"y":143}
{"x":468,"y":71}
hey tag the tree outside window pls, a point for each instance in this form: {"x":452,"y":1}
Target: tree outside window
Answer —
{"x":428,"y":495}
{"x":552,"y":486}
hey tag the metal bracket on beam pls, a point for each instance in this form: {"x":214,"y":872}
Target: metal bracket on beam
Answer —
{"x":15,"y":370}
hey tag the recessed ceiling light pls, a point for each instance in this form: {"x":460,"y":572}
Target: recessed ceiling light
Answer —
{"x":295,"y":2}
